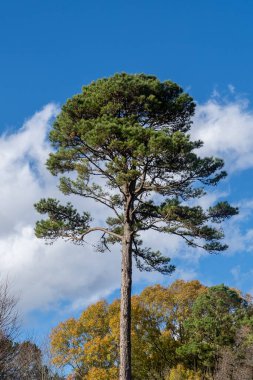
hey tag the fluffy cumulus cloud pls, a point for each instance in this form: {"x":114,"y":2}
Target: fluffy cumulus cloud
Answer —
{"x":23,"y":174}
{"x":43,"y":275}
{"x":226,"y":128}
{"x":47,"y":276}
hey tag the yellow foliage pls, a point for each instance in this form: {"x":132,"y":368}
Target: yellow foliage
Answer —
{"x":102,"y":374}
{"x":181,"y":373}
{"x":94,"y":319}
{"x":65,"y":342}
{"x":85,"y":341}
{"x":90,"y":344}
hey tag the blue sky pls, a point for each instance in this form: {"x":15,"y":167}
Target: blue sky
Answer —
{"x":48,"y":50}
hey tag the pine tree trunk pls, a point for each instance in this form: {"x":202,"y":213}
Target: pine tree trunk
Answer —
{"x":125,"y":307}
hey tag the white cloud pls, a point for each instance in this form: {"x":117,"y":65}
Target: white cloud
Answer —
{"x":238,"y":230}
{"x":43,"y":275}
{"x":227,"y":131}
{"x":22,"y":157}
{"x":49,"y":275}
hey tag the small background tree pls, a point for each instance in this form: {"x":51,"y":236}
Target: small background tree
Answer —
{"x":126,"y":138}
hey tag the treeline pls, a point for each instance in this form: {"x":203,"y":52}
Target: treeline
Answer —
{"x":184,"y":331}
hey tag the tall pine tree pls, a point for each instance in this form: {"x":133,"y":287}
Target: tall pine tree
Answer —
{"x":131,"y":132}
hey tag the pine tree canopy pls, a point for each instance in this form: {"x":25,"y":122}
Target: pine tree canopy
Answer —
{"x":126,"y":141}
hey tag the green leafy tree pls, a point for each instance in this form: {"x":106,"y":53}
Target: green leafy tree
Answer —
{"x":216,"y":316}
{"x":126,"y":138}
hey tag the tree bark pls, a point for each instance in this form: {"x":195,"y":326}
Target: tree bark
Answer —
{"x":125,"y":306}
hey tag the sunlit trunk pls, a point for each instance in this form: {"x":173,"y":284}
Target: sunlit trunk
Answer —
{"x":125,"y":308}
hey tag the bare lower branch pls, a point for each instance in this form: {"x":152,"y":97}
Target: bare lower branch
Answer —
{"x":98,"y":198}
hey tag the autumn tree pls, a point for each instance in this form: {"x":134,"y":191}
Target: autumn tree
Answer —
{"x":89,"y":344}
{"x":158,"y":326}
{"x":127,"y":139}
{"x":172,"y":305}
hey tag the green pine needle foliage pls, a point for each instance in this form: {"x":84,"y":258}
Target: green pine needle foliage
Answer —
{"x":126,"y":139}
